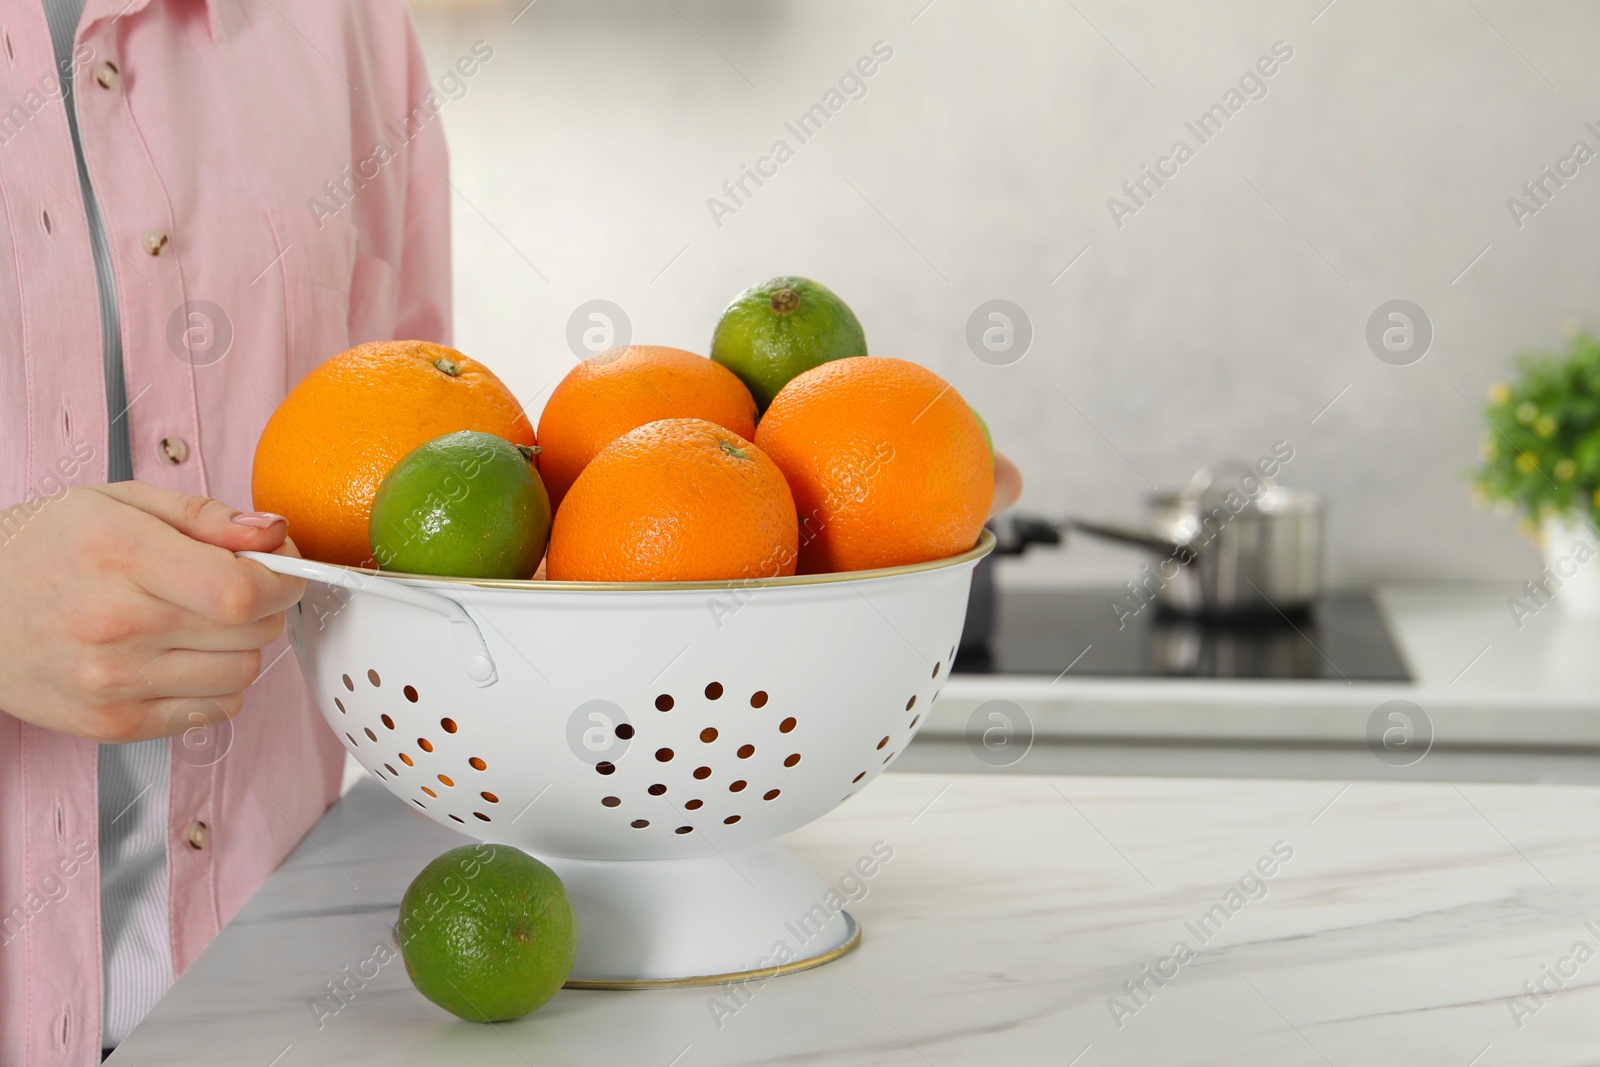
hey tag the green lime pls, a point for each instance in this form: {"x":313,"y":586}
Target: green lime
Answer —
{"x":468,"y":505}
{"x":780,"y":329}
{"x":487,"y":932}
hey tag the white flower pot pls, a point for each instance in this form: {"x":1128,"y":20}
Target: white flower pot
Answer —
{"x":1572,"y":559}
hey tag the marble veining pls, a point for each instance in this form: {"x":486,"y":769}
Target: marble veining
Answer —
{"x":1022,"y":920}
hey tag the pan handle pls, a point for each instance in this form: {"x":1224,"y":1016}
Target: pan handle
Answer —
{"x":1130,"y":536}
{"x":472,"y":650}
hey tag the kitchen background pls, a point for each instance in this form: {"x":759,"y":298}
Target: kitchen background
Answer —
{"x":1228,"y":312}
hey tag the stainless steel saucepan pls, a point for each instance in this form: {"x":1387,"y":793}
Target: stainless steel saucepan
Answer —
{"x":1231,"y":542}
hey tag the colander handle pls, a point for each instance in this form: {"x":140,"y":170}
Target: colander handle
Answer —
{"x":470,"y":646}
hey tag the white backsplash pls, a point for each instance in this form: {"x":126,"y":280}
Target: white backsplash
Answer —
{"x":1223,"y":315}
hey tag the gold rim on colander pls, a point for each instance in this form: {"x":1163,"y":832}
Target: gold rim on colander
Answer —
{"x":985,"y":545}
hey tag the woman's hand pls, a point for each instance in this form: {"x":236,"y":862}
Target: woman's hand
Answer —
{"x":1007,"y":484}
{"x":122,"y":604}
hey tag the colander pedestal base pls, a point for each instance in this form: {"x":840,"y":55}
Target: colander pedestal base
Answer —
{"x":705,"y":920}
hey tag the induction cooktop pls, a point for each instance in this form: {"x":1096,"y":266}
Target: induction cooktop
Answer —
{"x":1088,"y":633}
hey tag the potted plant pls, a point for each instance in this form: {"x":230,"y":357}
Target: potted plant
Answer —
{"x":1542,"y":455}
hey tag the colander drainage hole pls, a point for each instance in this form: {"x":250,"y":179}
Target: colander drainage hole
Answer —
{"x":889,"y":757}
{"x":368,"y":731}
{"x":702,"y":773}
{"x":490,"y":797}
{"x":458,"y":818}
{"x":640,"y":824}
{"x":611,"y":802}
{"x":786,"y":725}
{"x":709,"y":734}
{"x":663,"y":755}
{"x":746,"y":751}
{"x":418,"y":803}
{"x":390,"y":768}
{"x":388,"y":722}
{"x":340,"y":705}
{"x":424,"y":744}
{"x":372,"y":676}
{"x":348,"y":684}
{"x":738,"y":787}
{"x":758,"y":699}
{"x":656,"y":790}
{"x":352,"y":740}
{"x":771,"y":794}
{"x":482,"y":816}
{"x":915,"y":721}
{"x":714,"y":691}
{"x":694,"y":805}
{"x":791,"y":759}
{"x":912,"y":702}
{"x":477,"y":764}
{"x":858,"y":777}
{"x":406,"y":760}
{"x":730,"y":820}
{"x":444,"y":779}
{"x":624,"y":731}
{"x":430,"y":792}
{"x":936,"y":667}
{"x":449,"y":725}
{"x":664,"y":702}
{"x":606,"y":767}
{"x":885,"y":741}
{"x":411,"y":693}
{"x":684,"y":830}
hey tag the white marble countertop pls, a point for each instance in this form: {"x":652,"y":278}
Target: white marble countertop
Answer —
{"x":1014,"y":909}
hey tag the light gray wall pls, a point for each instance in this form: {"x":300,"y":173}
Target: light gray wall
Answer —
{"x":1223,"y":316}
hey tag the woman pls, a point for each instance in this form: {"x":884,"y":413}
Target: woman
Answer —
{"x":202,"y":198}
{"x":159,"y":291}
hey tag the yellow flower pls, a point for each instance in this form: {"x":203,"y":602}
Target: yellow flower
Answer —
{"x":1498,"y":393}
{"x":1565,"y":469}
{"x":1526,"y":463}
{"x":1597,"y":498}
{"x":1527,"y":411}
{"x":1545,"y":426}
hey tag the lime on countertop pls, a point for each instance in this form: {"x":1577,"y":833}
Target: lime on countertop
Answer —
{"x":487,"y":932}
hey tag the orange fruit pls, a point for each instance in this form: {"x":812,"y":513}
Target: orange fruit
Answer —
{"x":888,"y":465}
{"x":677,"y":500}
{"x":339,"y":432}
{"x":604,"y":397}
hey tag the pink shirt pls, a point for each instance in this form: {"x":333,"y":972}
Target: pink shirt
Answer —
{"x":234,"y":150}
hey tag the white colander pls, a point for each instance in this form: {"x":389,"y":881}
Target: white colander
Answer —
{"x":648,"y":741}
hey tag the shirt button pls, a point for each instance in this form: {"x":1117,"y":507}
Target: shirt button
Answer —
{"x":155,"y":241}
{"x":108,"y":75}
{"x":174,"y":450}
{"x":198,"y":835}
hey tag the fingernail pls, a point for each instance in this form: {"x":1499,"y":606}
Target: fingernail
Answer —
{"x":259,"y":520}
